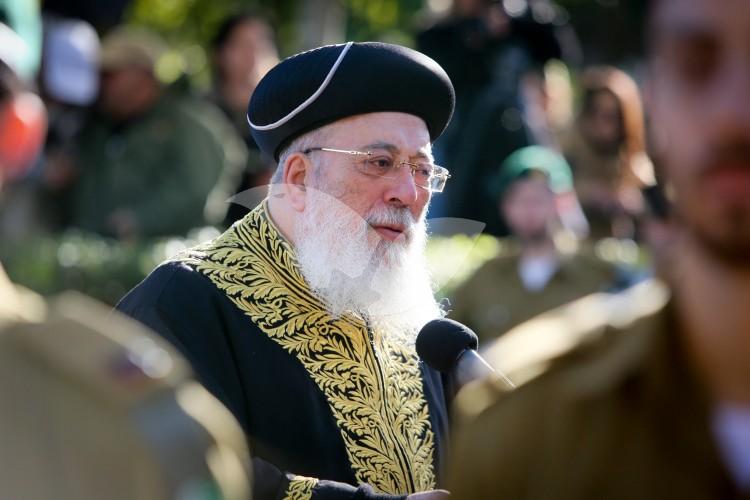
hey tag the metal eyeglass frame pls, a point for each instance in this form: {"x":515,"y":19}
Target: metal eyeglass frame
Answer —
{"x":440,"y":173}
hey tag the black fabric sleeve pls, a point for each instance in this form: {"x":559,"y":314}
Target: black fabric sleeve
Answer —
{"x":269,"y":483}
{"x":185,"y":326}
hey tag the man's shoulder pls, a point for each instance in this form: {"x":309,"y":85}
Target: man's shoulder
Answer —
{"x":505,"y":260}
{"x":182,"y":281}
{"x":575,"y":349}
{"x":172,"y":282}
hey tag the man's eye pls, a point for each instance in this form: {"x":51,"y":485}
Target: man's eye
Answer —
{"x":380,"y":163}
{"x":424,"y":171}
{"x":695,"y":62}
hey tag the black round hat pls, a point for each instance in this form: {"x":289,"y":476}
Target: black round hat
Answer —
{"x":320,"y":86}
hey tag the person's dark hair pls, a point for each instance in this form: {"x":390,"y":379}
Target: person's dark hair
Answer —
{"x":607,"y":79}
{"x":227,"y":26}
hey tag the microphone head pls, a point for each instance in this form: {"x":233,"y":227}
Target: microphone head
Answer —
{"x":442,"y":341}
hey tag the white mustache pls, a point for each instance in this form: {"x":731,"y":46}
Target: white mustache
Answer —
{"x":400,"y":216}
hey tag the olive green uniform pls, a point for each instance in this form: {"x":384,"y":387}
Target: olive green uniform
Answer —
{"x":494,"y":299}
{"x":161,"y":167}
{"x":621,"y":416}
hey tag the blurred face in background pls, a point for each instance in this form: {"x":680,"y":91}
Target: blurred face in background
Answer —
{"x":602,"y":122}
{"x":529,"y":208}
{"x":701,"y":90}
{"x":127,"y":92}
{"x":249,"y":52}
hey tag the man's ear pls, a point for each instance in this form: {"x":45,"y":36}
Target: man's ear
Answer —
{"x":296,"y":169}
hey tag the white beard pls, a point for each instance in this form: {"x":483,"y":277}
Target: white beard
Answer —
{"x":351,"y":268}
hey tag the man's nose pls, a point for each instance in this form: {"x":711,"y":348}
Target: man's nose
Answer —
{"x":402,"y":189}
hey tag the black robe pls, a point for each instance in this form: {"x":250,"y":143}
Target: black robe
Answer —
{"x":331,"y":407}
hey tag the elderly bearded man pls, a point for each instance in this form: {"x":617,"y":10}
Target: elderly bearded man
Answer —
{"x":301,"y":317}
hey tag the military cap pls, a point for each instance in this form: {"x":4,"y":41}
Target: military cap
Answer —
{"x":526,"y":162}
{"x":322,"y":85}
{"x":131,"y":47}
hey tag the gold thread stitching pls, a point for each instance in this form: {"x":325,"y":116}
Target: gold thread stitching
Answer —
{"x":255,"y":267}
{"x":300,"y":488}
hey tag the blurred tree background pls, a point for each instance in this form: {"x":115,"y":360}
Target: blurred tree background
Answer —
{"x":609,"y":31}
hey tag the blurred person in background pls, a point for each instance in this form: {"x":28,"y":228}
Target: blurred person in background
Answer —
{"x":655,"y":403}
{"x":495,"y":57}
{"x":537,"y":269}
{"x":523,"y":351}
{"x":243,"y":50}
{"x":88,"y":394}
{"x":606,"y":148}
{"x":148,"y":157}
{"x":68,"y":83}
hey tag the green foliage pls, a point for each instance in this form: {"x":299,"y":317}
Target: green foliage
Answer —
{"x":196,"y":21}
{"x":386,"y":20}
{"x":106,"y":269}
{"x":100,"y":267}
{"x":189,"y":26}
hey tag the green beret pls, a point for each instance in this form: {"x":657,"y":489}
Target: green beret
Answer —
{"x":524,"y":162}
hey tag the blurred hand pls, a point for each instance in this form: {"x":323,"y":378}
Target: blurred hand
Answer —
{"x":429,"y":495}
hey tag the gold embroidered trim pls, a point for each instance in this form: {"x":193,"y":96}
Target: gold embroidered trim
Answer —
{"x":374,"y":388}
{"x":300,"y":488}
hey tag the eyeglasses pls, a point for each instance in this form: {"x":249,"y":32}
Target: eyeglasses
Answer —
{"x":382,"y":164}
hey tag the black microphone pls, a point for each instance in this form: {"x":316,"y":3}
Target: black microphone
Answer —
{"x":450,"y":347}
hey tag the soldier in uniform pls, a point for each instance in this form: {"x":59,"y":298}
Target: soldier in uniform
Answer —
{"x":149,"y":157}
{"x":655,"y":403}
{"x":533,"y":272}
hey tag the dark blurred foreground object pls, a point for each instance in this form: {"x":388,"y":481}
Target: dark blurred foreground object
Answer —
{"x":93,"y":405}
{"x":625,"y":402}
{"x":653,"y":401}
{"x":96,"y":407}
